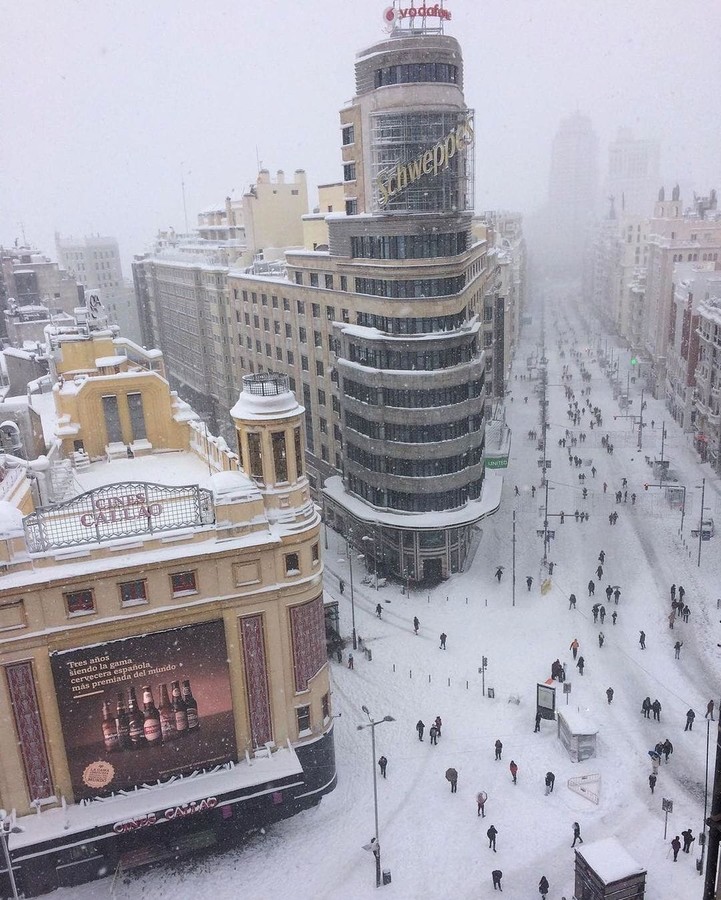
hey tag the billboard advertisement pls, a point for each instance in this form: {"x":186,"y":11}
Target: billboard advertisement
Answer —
{"x":142,"y":709}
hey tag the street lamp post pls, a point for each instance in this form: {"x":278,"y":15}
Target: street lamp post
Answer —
{"x":7,"y":827}
{"x":700,"y":523}
{"x":349,"y":544}
{"x":377,"y":847}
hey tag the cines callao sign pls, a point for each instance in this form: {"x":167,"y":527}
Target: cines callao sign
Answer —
{"x":429,"y":162}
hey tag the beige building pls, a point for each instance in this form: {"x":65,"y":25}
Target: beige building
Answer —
{"x":707,"y":395}
{"x":273,"y":211}
{"x":165,"y":679}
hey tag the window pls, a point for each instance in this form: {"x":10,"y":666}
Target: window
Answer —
{"x":276,"y":327}
{"x":297,"y":446}
{"x":256,"y":322}
{"x":314,"y":280}
{"x":292,"y":564}
{"x":349,"y":172}
{"x":279,"y":354}
{"x":318,"y":367}
{"x":279,"y":456}
{"x":348,"y":135}
{"x":246,"y":318}
{"x":266,"y":325}
{"x":304,"y":363}
{"x":288,"y":331}
{"x":345,"y":315}
{"x":286,"y":304}
{"x":315,"y":308}
{"x":137,"y":417}
{"x":183,"y":583}
{"x":329,"y":281}
{"x":325,"y":706}
{"x":321,"y":397}
{"x":290,"y":358}
{"x":302,"y":714}
{"x":330,"y":313}
{"x":315,"y":553}
{"x":323,"y":425}
{"x":351,"y":207}
{"x":264,"y":299}
{"x":299,"y":278}
{"x":324,"y":453}
{"x":112,"y":419}
{"x":317,"y":339}
{"x":300,"y":306}
{"x":343,"y":283}
{"x":133,"y":593}
{"x":255,"y":458}
{"x":79,"y":603}
{"x":302,"y":335}
{"x":274,"y":301}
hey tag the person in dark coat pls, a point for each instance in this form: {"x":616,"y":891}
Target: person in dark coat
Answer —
{"x":416,"y":624}
{"x":652,"y":781}
{"x":609,"y":695}
{"x":576,"y":834}
{"x":609,"y":593}
{"x":616,"y":595}
{"x":438,"y":723}
{"x":491,"y":835}
{"x":681,"y":592}
{"x":601,"y":638}
{"x":667,"y":748}
{"x":673,"y":592}
{"x":550,"y":781}
{"x":383,"y":763}
{"x":642,"y":639}
{"x":572,"y":601}
{"x":379,"y":610}
{"x":602,"y":613}
{"x":444,"y":637}
{"x":514,"y":771}
{"x":688,"y":839}
{"x":591,"y":588}
{"x":499,"y":748}
{"x":433,"y":732}
{"x":580,"y":664}
{"x":656,"y":707}
{"x":481,"y":798}
{"x":496,"y":875}
{"x":574,"y":647}
{"x":538,"y":722}
{"x":529,"y":581}
{"x":599,"y":572}
{"x":452,"y":777}
{"x":646,"y":708}
{"x":709,"y":711}
{"x":677,"y":648}
{"x":690,"y":716}
{"x":602,"y":557}
{"x":543,"y":886}
{"x":499,"y":573}
{"x":420,"y":727}
{"x":676,"y":845}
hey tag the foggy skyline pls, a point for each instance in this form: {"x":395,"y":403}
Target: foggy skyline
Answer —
{"x":106,"y":107}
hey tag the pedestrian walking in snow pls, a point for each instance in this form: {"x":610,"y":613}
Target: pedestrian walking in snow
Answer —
{"x":652,"y":781}
{"x":350,"y":660}
{"x":499,"y":749}
{"x":601,"y":638}
{"x":671,"y":618}
{"x":580,"y":664}
{"x":646,"y":708}
{"x":686,"y":612}
{"x":433,"y":732}
{"x":655,"y":761}
{"x":543,"y":887}
{"x":673,"y":592}
{"x":633,"y":499}
{"x":614,"y":616}
{"x":676,"y":846}
{"x":551,"y":567}
{"x":688,"y":839}
{"x":379,"y":610}
{"x":481,"y":798}
{"x":616,"y":595}
{"x":591,"y":588}
{"x":416,"y":624}
{"x":642,"y":640}
{"x":339,"y":655}
{"x":576,"y":834}
{"x":420,"y":727}
{"x":491,"y":835}
{"x":677,"y":649}
{"x":572,"y":601}
{"x":605,"y":487}
{"x":609,"y":593}
{"x":341,"y":585}
{"x":452,"y":778}
{"x":538,"y":722}
{"x":574,"y":647}
{"x":602,"y":613}
{"x":681,"y":592}
{"x":515,"y":490}
{"x":533,"y":490}
{"x":383,"y":764}
{"x":438,"y":723}
{"x":496,"y":875}
{"x":656,"y":707}
{"x":709,"y":711}
{"x":602,"y":557}
{"x":529,"y":581}
{"x":443,"y":640}
{"x":514,"y":771}
{"x":690,"y":716}
{"x":594,"y":610}
{"x":550,"y":781}
{"x":599,"y":572}
{"x":624,"y":482}
{"x":609,"y":695}
{"x":499,"y":573}
{"x":667,"y":748}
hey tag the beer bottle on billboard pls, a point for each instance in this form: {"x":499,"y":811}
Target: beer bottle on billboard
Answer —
{"x":167,"y":715}
{"x":191,"y":706}
{"x":179,"y":708}
{"x":151,"y":719}
{"x":122,"y":724}
{"x":110,"y":731}
{"x":136,"y":720}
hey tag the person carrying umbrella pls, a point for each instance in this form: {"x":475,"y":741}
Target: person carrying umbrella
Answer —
{"x":452,"y":778}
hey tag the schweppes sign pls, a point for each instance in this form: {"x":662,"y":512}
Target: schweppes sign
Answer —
{"x":430,"y":162}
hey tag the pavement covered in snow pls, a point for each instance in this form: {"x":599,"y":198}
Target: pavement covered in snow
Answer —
{"x":433,"y":841}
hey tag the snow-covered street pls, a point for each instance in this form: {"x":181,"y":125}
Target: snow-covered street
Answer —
{"x":433,"y":841}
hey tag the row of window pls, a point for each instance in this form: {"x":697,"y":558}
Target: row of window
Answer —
{"x":413,"y":399}
{"x":410,"y":73}
{"x":415,"y":468}
{"x":303,"y":719}
{"x":410,"y":325}
{"x":410,"y":246}
{"x":415,"y":501}
{"x":410,"y":287}
{"x":414,"y":434}
{"x":426,"y":360}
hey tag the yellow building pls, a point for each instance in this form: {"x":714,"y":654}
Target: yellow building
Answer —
{"x":165,"y":680}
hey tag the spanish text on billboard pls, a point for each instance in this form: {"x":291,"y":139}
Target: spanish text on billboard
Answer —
{"x":145,"y":708}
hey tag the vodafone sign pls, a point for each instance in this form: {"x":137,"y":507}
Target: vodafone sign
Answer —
{"x":391,"y":15}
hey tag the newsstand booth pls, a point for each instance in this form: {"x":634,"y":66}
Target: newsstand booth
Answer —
{"x":605,"y":871}
{"x":577,"y":733}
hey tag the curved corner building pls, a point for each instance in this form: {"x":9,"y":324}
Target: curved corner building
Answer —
{"x":410,"y":358}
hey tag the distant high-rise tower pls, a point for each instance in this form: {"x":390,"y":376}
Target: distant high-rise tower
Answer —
{"x":632,"y":173}
{"x":573,"y":190}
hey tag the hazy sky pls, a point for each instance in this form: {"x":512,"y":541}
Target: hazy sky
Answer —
{"x":104,"y":104}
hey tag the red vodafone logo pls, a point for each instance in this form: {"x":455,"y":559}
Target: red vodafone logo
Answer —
{"x":389,"y":15}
